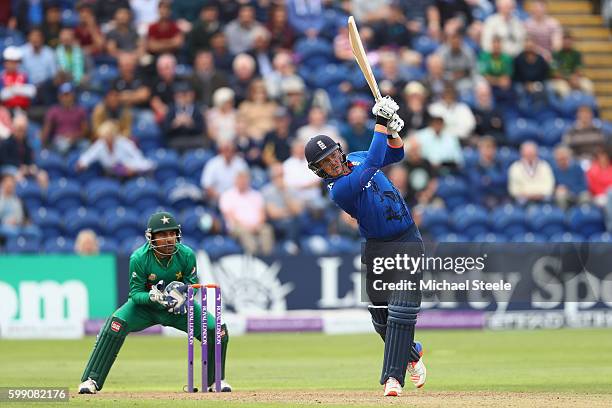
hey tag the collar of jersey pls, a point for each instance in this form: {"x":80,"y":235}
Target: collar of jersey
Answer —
{"x":332,"y":179}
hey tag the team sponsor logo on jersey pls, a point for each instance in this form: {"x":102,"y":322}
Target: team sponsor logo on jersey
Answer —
{"x":152,"y":276}
{"x":115,"y":326}
{"x":134,"y":274}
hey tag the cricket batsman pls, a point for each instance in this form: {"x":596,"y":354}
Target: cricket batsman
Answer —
{"x":163,"y":258}
{"x":359,"y":187}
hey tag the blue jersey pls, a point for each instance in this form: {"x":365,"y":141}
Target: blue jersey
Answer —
{"x":368,"y":195}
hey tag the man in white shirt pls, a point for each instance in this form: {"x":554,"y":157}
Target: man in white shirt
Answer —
{"x":530,"y":179}
{"x":299,"y":176}
{"x":220,"y":172}
{"x":458,"y":117}
{"x":317,"y":125}
{"x":438,"y":146}
{"x":244,"y":211}
{"x":505,"y":25}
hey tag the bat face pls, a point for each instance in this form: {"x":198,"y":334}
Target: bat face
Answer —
{"x":361,"y":57}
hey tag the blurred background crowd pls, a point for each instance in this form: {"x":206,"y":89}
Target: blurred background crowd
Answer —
{"x":112,"y":109}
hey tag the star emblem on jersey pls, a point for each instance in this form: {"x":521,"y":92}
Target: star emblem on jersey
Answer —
{"x":165,"y":220}
{"x":179,"y":275}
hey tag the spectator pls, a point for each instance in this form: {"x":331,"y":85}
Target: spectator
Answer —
{"x":434,"y":80}
{"x":299,"y":176}
{"x":496,"y":66}
{"x":282,"y":206}
{"x":342,"y":46}
{"x":454,"y":14}
{"x":245,"y":214}
{"x":163,"y":86}
{"x":567,"y":69}
{"x":422,"y":17}
{"x":206,"y":79}
{"x":544,"y":30}
{"x":599,"y":179}
{"x":398,"y":175}
{"x":87,"y":32}
{"x":305,"y":17}
{"x":146,"y":12}
{"x":281,"y":33}
{"x":203,"y":29}
{"x":118,"y":155}
{"x":261,"y":52}
{"x":571,"y":185}
{"x":106,"y":9}
{"x":12,"y":211}
{"x":370,"y":12}
{"x":164,"y":36}
{"x":223,"y":57}
{"x":86,"y":243}
{"x":396,"y":32}
{"x":277,"y":142}
{"x":133,"y":92}
{"x":413,"y":108}
{"x":186,"y":12}
{"x":258,"y":110}
{"x":422,"y":177}
{"x":489,"y":119}
{"x":70,"y":58}
{"x":16,"y":154}
{"x":390,"y":69}
{"x":283,"y":70}
{"x":24,"y":14}
{"x":52,"y":25}
{"x":488,"y":176}
{"x":111,"y":108}
{"x":123,"y":38}
{"x":507,"y":26}
{"x":65,"y":126}
{"x":16,"y":91}
{"x":250,"y":148}
{"x":221,"y":119}
{"x":243,"y":69}
{"x":219,"y":173}
{"x":40,"y":66}
{"x":296,"y":101}
{"x":585,"y":136}
{"x":459,"y":62}
{"x":531,"y":71}
{"x":357,"y":132}
{"x":5,"y":123}
{"x":317,"y":125}
{"x":458,"y":117}
{"x":241,"y":32}
{"x":530,"y":179}
{"x":184,"y":124}
{"x":439,"y":146}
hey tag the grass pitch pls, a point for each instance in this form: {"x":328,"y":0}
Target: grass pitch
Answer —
{"x":465,"y":368}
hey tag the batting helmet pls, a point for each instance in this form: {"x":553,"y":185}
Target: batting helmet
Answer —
{"x":318,"y":148}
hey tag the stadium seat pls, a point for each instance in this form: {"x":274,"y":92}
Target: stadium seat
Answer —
{"x":102,"y":76}
{"x":103,"y":193}
{"x":470,"y":157}
{"x":568,"y":106}
{"x":122,"y":223}
{"x":343,"y":245}
{"x":196,"y":221}
{"x":553,"y":131}
{"x":315,"y":245}
{"x":64,"y":194}
{"x":436,"y":221}
{"x":130,"y":244}
{"x":424,"y":45}
{"x":22,"y":245}
{"x":509,"y":220}
{"x":601,"y":237}
{"x":219,"y":245}
{"x":49,"y":221}
{"x":193,"y":163}
{"x":89,"y":100}
{"x":52,"y":163}
{"x":191,"y":243}
{"x":490,"y":237}
{"x":30,"y":193}
{"x":167,"y":167}
{"x":108,"y":245}
{"x":59,"y":245}
{"x":329,"y":75}
{"x":546,"y":220}
{"x":586,"y":220}
{"x":471,"y":220}
{"x":529,"y":237}
{"x":567,"y":237}
{"x":314,"y":52}
{"x":521,"y":130}
{"x":184,"y":195}
{"x":140,"y":194}
{"x":452,"y":237}
{"x":507,"y":155}
{"x":82,"y":218}
{"x":453,"y":190}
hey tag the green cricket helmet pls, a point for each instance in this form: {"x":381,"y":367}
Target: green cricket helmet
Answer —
{"x":158,"y":222}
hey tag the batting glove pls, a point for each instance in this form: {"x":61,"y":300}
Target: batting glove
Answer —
{"x":385,"y":107}
{"x":396,"y":124}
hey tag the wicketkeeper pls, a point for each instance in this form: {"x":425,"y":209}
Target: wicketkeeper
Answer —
{"x":163,"y":258}
{"x":359,"y":187}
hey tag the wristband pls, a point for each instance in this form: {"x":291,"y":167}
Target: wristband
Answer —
{"x":393,"y":135}
{"x":382,"y":121}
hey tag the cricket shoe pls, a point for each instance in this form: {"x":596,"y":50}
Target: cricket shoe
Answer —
{"x":416,"y":369}
{"x":88,"y":386}
{"x":225,"y":387}
{"x":392,"y":388}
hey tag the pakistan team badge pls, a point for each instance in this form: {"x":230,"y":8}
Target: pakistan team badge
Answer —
{"x":152,"y":277}
{"x":179,"y":276}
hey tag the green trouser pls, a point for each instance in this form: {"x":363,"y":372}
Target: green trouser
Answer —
{"x":132,"y":318}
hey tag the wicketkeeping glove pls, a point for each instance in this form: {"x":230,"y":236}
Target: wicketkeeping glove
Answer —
{"x":156,"y":295}
{"x":177,"y":293}
{"x":385,"y":107}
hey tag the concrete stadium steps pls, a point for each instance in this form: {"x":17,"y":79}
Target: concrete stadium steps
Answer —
{"x":593,"y":39}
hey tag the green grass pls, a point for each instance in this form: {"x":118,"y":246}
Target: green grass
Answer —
{"x":577,"y":362}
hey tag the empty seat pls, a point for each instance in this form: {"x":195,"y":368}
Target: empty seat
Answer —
{"x":586,"y":220}
{"x":121,"y":223}
{"x":59,"y":245}
{"x":546,"y":220}
{"x":64,"y":194}
{"x":78,"y":219}
{"x":471,"y":220}
{"x":509,"y":220}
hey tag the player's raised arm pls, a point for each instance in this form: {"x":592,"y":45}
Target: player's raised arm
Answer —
{"x":388,"y":124}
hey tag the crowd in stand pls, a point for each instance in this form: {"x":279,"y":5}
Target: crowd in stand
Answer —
{"x":491,"y":94}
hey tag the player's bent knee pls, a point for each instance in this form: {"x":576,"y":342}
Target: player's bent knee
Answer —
{"x":404,"y":314}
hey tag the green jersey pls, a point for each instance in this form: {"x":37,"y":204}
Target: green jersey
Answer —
{"x":495,"y":66}
{"x":146,"y":270}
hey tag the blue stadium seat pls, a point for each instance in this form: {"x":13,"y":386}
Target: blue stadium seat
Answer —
{"x":183,"y":195}
{"x":59,"y":245}
{"x":436,"y":221}
{"x":89,"y":100}
{"x":601,"y":237}
{"x":22,"y":245}
{"x":424,"y":45}
{"x":452,"y":237}
{"x":520,"y":130}
{"x":69,"y":18}
{"x":184,"y":70}
{"x":586,"y":220}
{"x":130,"y":244}
{"x":553,"y":131}
{"x":49,"y":221}
{"x":30,"y":193}
{"x":167,"y":167}
{"x":220,"y":245}
{"x":64,"y":194}
{"x":108,"y":245}
{"x":507,"y":155}
{"x":141,"y":193}
{"x":195,"y":221}
{"x":453,"y":190}
{"x":52,"y":163}
{"x":331,"y":74}
{"x":490,"y":237}
{"x":529,"y":237}
{"x":194,"y":161}
{"x":546,"y":153}
{"x":343,"y":245}
{"x":470,"y":157}
{"x":103,"y":193}
{"x":102,"y":76}
{"x":509,"y":220}
{"x":567,"y":237}
{"x":315,"y":245}
{"x":471,"y":220}
{"x":82,"y":218}
{"x":191,"y":243}
{"x":546,"y":220}
{"x":568,"y":106}
{"x":314,"y":52}
{"x":122,"y":223}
